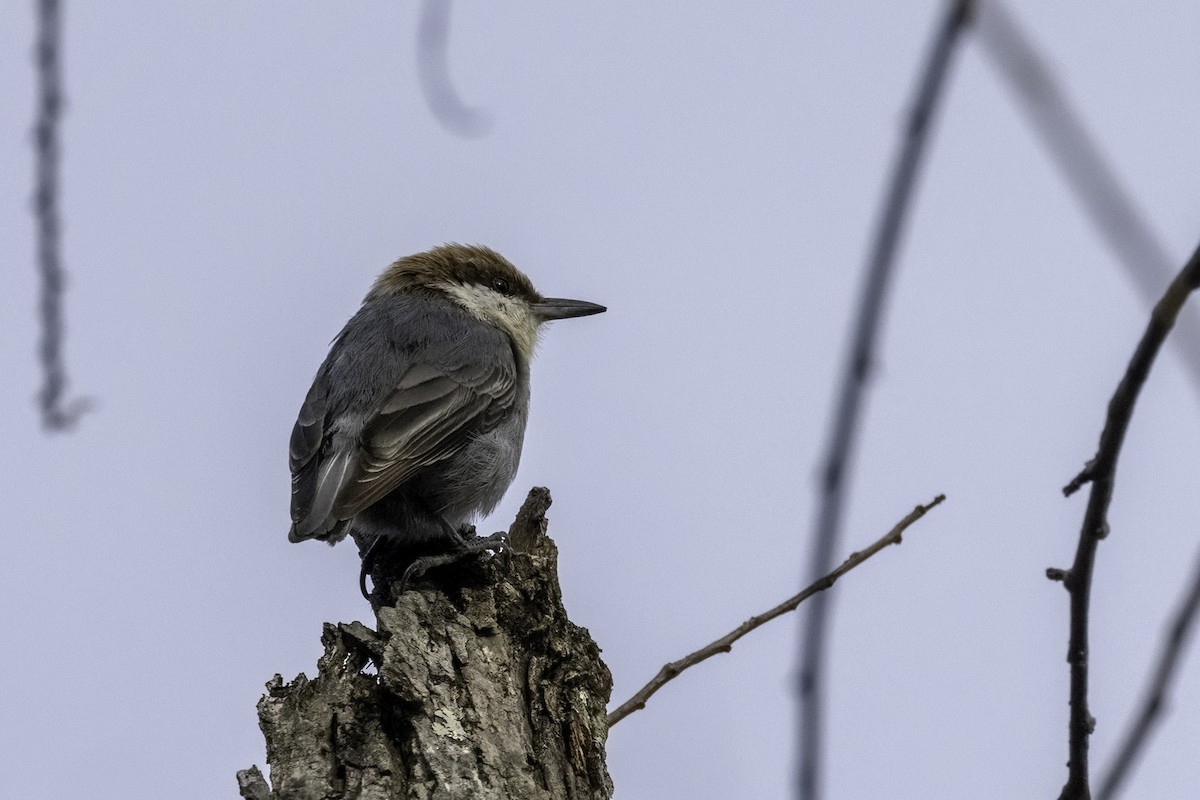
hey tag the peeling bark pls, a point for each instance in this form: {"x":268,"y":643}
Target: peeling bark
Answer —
{"x":483,"y":690}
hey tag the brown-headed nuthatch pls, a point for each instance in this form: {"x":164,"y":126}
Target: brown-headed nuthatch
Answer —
{"x":414,"y":424}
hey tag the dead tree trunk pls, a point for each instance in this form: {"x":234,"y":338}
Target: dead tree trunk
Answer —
{"x":478,"y":691}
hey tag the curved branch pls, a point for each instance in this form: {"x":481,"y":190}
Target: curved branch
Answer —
{"x":1101,"y":473}
{"x":433,"y":71}
{"x":856,"y":370}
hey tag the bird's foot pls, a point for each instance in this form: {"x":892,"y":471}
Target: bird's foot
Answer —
{"x":473,"y":542}
{"x":463,"y":543}
{"x":469,"y":545}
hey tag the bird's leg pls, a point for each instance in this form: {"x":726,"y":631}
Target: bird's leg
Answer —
{"x":369,"y":559}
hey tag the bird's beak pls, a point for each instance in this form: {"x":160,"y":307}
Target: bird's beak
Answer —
{"x":558,"y":308}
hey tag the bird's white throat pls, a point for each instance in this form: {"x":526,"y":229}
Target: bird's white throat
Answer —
{"x":513,"y":315}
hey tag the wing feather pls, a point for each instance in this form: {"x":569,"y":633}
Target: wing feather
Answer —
{"x":331,"y":476}
{"x":310,"y":425}
{"x":428,"y":418}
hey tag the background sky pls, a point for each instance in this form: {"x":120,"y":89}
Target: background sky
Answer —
{"x":236,"y":174}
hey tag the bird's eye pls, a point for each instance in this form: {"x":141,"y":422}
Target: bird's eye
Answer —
{"x":501,"y":285}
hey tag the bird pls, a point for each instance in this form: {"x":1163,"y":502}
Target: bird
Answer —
{"x":414,"y":424}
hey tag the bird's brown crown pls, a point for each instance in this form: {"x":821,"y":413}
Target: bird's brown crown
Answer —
{"x":451,"y":264}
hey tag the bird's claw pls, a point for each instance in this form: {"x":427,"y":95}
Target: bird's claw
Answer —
{"x":467,"y":547}
{"x":468,"y":543}
{"x":422,"y":565}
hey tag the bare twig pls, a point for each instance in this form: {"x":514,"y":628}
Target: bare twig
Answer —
{"x":1101,"y":473}
{"x":433,"y":71}
{"x":723,"y":645}
{"x":1156,"y":693}
{"x":57,"y":415}
{"x":1145,"y":260}
{"x":1112,"y":210}
{"x":854,"y":377}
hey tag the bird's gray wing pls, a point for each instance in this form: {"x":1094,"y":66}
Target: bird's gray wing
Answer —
{"x":310,"y":425}
{"x":429,"y":417}
{"x":314,"y":477}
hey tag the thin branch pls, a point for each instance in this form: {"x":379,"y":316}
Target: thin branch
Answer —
{"x":433,"y":71}
{"x":1156,"y":694}
{"x":847,"y":409}
{"x":1101,"y":473}
{"x":1110,"y":207}
{"x":57,"y":415}
{"x":723,"y":645}
{"x":1123,"y":227}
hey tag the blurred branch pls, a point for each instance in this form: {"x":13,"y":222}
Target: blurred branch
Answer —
{"x":854,"y":377}
{"x":723,"y":645}
{"x":1156,"y":694}
{"x":1101,"y":473}
{"x":1112,"y":211}
{"x":433,"y":71}
{"x":57,"y":415}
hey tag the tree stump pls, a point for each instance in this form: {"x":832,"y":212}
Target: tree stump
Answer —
{"x":483,"y":690}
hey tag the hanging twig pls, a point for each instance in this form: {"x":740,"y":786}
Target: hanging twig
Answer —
{"x":57,"y":414}
{"x":1156,"y":693}
{"x":1101,"y":473}
{"x":854,"y":377}
{"x":1112,"y":211}
{"x":723,"y":645}
{"x":433,"y":71}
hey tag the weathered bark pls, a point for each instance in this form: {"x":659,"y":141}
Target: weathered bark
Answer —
{"x":478,"y":691}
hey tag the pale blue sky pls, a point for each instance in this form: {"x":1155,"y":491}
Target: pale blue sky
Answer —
{"x":236,"y":174}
